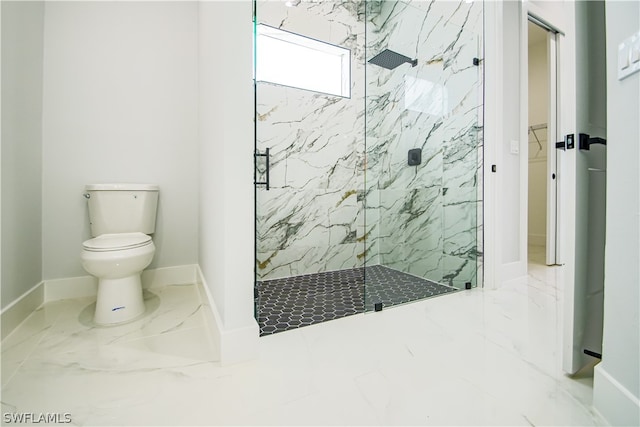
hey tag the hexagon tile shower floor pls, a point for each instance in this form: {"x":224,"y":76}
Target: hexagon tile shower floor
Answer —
{"x":297,"y":301}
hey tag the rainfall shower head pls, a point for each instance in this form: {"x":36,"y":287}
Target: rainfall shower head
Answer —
{"x":389,"y":59}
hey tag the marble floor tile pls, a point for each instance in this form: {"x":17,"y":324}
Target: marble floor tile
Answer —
{"x":476,"y":357}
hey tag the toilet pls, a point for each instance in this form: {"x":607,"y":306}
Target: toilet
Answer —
{"x":122,"y":217}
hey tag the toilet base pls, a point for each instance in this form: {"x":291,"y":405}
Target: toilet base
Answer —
{"x":119,"y":300}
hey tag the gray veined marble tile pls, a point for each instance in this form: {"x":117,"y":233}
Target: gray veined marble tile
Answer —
{"x":497,"y":352}
{"x":318,"y":141}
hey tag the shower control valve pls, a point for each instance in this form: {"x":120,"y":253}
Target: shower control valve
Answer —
{"x":414,"y":157}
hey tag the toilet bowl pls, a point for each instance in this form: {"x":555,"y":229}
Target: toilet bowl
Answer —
{"x":117,"y":260}
{"x":122,"y":218}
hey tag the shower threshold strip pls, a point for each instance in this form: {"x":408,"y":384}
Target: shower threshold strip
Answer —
{"x":304,"y":300}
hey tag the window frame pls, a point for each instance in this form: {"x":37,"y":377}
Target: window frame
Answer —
{"x":343,"y":54}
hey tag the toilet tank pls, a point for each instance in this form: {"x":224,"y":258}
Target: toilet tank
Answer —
{"x":122,"y":208}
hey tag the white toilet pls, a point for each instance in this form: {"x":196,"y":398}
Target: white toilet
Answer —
{"x":121,"y":216}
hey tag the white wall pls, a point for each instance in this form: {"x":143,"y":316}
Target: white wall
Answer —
{"x":502,"y":95}
{"x":511,"y":164}
{"x":502,"y":200}
{"x":617,"y":378}
{"x":119,"y":105}
{"x":22,"y":31}
{"x":227,"y":216}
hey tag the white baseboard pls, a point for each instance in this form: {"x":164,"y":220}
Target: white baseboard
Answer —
{"x":211,"y":311}
{"x":615,"y":403}
{"x":16,"y":312}
{"x":239,"y":344}
{"x":70,"y":287}
{"x":87,"y":286}
{"x":512,"y":273}
{"x":178,"y":275}
{"x":235,"y":345}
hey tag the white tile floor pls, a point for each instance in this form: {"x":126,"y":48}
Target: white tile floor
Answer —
{"x":469,"y":358}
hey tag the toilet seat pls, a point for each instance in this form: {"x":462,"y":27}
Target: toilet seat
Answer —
{"x":116,"y":242}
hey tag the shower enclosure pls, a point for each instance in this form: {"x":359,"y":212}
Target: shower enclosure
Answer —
{"x":368,"y":149}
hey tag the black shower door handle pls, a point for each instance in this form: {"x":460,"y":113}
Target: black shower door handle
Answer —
{"x":266,"y":155}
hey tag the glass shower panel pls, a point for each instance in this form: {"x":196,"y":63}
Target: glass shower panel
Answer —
{"x":370,"y":195}
{"x":423,"y":147}
{"x":310,"y":249}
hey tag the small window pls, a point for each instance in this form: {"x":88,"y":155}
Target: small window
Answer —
{"x":290,"y":59}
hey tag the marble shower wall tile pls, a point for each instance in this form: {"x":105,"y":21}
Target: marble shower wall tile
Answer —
{"x":369,"y":221}
{"x":428,"y":214}
{"x":311,"y":221}
{"x":324,"y":211}
{"x":411,"y":238}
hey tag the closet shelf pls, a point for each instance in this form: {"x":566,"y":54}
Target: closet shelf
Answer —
{"x":534,"y":128}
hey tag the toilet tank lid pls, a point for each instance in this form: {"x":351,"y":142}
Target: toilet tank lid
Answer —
{"x":121,"y":187}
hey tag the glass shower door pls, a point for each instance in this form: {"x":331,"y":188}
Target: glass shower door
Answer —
{"x":372,"y":155}
{"x":423,"y":146}
{"x":309,"y":146}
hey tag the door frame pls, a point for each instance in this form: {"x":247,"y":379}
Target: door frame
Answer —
{"x":561,"y":115}
{"x":551,"y":100}
{"x":559,"y":16}
{"x":562,"y":16}
{"x":552,"y":241}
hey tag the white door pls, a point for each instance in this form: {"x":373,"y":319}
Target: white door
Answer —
{"x":552,"y":136}
{"x":584,"y":286}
